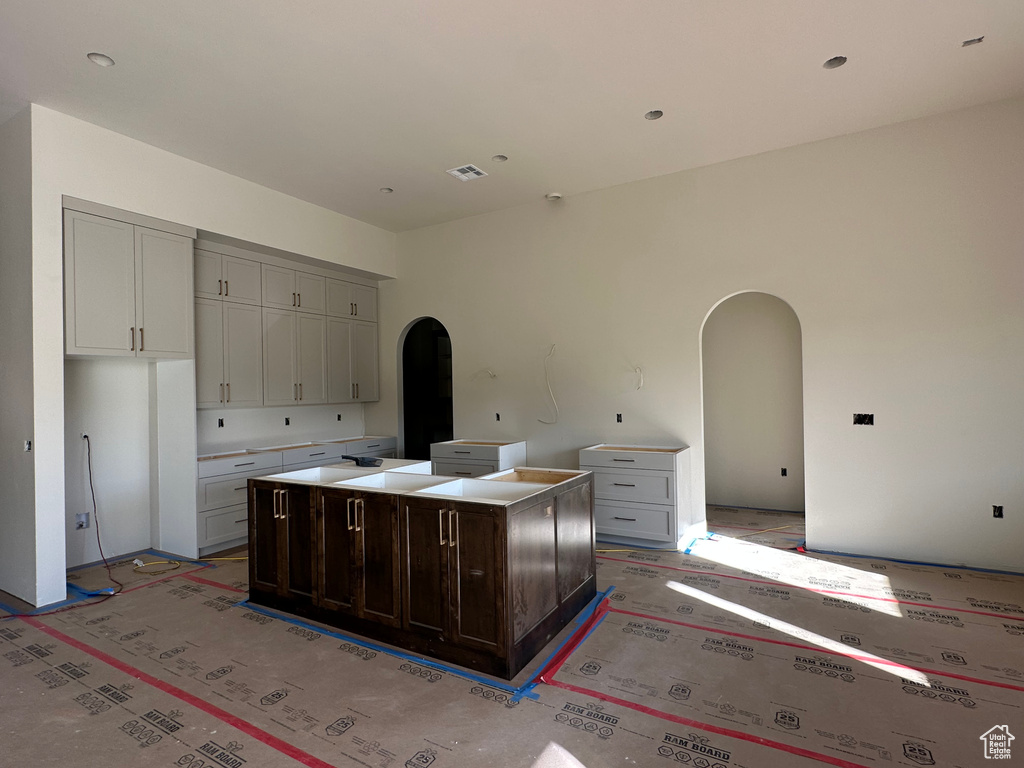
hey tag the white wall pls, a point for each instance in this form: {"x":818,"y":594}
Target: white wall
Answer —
{"x":753,"y":404}
{"x":17,"y":486}
{"x":71,"y":157}
{"x":258,"y":427}
{"x":107,"y":399}
{"x":898,"y":248}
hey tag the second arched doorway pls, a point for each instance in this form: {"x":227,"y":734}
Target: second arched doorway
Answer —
{"x":426,"y":387}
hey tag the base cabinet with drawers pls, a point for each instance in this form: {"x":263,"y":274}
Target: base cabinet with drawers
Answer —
{"x":222,"y":495}
{"x":481,"y":584}
{"x":473,"y":458}
{"x":640,"y":492}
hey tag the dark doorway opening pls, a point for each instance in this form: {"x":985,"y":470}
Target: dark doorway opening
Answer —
{"x":426,"y":387}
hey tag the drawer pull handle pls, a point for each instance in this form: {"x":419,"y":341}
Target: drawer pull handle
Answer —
{"x":463,"y":451}
{"x":348,"y":512}
{"x":629,"y":460}
{"x":246,"y":464}
{"x":453,"y":528}
{"x":243,"y":520}
{"x":374,"y":446}
{"x":240,"y":489}
{"x":464,"y":473}
{"x":317,"y":454}
{"x":626,"y":485}
{"x":440,"y":527}
{"x":627,"y":519}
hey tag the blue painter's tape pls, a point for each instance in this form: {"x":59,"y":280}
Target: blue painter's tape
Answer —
{"x":915,"y":562}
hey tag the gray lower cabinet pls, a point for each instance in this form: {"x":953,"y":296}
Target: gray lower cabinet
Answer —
{"x":222,"y":497}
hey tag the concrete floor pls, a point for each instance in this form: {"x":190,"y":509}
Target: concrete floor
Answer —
{"x":741,"y":653}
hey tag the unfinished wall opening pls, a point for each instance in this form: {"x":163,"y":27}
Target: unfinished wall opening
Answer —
{"x":426,"y":396}
{"x":752,"y":373}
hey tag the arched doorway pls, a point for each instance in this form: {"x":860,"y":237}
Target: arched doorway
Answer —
{"x":426,"y":387}
{"x":752,"y":381}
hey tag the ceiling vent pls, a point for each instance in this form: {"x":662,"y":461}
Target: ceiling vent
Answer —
{"x":466,"y":172}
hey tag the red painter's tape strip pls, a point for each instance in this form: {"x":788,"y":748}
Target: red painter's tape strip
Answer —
{"x":236,"y":722}
{"x":210,"y":583}
{"x":577,"y":637}
{"x":819,"y":591}
{"x":706,"y":727}
{"x":818,"y":649}
{"x":151,"y":582}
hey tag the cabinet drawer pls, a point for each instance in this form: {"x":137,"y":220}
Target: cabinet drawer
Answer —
{"x":223,"y":491}
{"x":223,"y":525}
{"x":457,"y":449}
{"x":318,"y":454}
{"x":647,"y":487}
{"x":212,"y":466}
{"x":370,"y":446}
{"x":454,"y":468}
{"x":626,"y":457}
{"x":653,"y":522}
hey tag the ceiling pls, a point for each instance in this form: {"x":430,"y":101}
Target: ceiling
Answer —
{"x":331,"y":100}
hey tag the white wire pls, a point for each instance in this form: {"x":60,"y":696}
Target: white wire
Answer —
{"x":640,"y":373}
{"x":547,"y":380}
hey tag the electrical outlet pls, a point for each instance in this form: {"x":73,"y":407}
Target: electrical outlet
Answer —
{"x":81,"y":520}
{"x":997,"y":511}
{"x":287,"y":421}
{"x":783,"y":471}
{"x":339,"y":417}
{"x":497,"y":417}
{"x":220,"y":422}
{"x":618,"y":418}
{"x":867,"y":419}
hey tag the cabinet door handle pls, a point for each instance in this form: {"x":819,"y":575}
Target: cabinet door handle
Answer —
{"x":627,"y":519}
{"x":626,"y":485}
{"x":353,"y":386}
{"x":286,"y":505}
{"x":300,"y":390}
{"x":453,"y":528}
{"x":133,"y":339}
{"x":356,"y":305}
{"x":295,"y":391}
{"x":348,"y":512}
{"x":277,"y":515}
{"x":225,"y":287}
{"x":351,"y":308}
{"x":142,"y":341}
{"x":360,"y":514}
{"x":629,"y":460}
{"x":300,"y":298}
{"x":229,"y":392}
{"x":440,"y":527}
{"x":222,"y":392}
{"x":220,"y":287}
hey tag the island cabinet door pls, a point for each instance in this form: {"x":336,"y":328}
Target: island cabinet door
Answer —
{"x":425,"y":547}
{"x":476,"y":577}
{"x":265,"y":555}
{"x":336,"y":528}
{"x":377,"y":558}
{"x":296,"y":518}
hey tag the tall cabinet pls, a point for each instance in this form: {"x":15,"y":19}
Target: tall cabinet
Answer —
{"x":128,"y":289}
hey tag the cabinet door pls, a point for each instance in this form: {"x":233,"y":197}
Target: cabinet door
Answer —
{"x":310,"y":292}
{"x":377,"y":558}
{"x":264,"y":555}
{"x":99,"y":275}
{"x":243,"y":355}
{"x":209,"y":282}
{"x":339,"y":363}
{"x":279,"y":385}
{"x":335,"y":548}
{"x":364,"y":302}
{"x":476,"y":569}
{"x":364,"y":361}
{"x":300,"y":584}
{"x":209,"y":353}
{"x":163,"y":300}
{"x":278,"y":287}
{"x":339,"y":298}
{"x":425,"y":566}
{"x":242,"y":282}
{"x":311,"y":356}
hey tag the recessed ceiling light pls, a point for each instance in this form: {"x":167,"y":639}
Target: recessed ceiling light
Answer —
{"x":386,"y":190}
{"x":500,"y":158}
{"x":834,"y":62}
{"x":972,"y":41}
{"x":100,"y":58}
{"x":654,"y":114}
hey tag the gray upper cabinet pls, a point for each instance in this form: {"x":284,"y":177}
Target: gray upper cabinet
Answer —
{"x":128,"y":289}
{"x":353,"y":300}
{"x":228,"y":278}
{"x":291,"y":289}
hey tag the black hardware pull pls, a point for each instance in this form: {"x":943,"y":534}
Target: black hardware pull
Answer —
{"x":627,"y":519}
